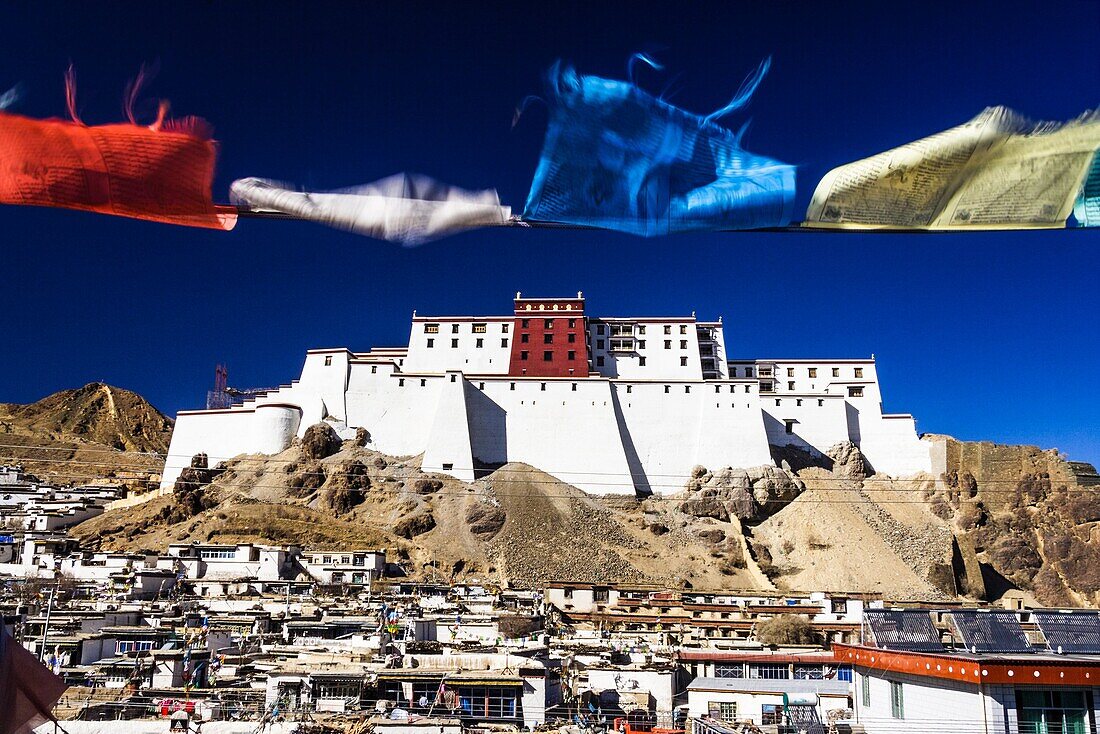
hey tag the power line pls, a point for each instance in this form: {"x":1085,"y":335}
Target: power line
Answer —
{"x":390,"y":461}
{"x":628,"y":489}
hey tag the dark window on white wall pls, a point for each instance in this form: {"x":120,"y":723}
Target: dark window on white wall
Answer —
{"x":897,"y":701}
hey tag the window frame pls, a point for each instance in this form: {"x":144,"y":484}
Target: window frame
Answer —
{"x":897,"y":700}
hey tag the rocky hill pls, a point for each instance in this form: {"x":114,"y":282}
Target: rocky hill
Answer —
{"x":1022,"y":518}
{"x":516,"y":524}
{"x":80,"y":435}
{"x":1027,"y":527}
{"x":991,"y":520}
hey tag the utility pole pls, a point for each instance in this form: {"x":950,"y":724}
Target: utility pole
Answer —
{"x":46,"y":627}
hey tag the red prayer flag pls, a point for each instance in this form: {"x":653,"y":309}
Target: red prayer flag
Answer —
{"x":151,"y":173}
{"x":28,"y":690}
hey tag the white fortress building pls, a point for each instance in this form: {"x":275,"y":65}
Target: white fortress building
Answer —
{"x":609,"y":405}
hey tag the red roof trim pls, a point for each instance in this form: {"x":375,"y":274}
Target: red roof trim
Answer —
{"x":1017,"y":671}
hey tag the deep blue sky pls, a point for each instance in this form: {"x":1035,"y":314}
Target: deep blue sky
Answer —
{"x":983,"y":336}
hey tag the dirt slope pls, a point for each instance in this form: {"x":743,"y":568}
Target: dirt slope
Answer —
{"x":1028,"y":527}
{"x":78,"y":435}
{"x":516,"y":524}
{"x":850,"y":535}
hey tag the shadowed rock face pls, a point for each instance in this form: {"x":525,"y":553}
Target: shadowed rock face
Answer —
{"x":485,"y":519}
{"x":1028,"y":515}
{"x":320,"y":441}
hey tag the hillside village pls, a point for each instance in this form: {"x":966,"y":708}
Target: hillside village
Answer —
{"x":329,"y":586}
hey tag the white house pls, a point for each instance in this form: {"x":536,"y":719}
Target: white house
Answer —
{"x":605,"y":404}
{"x":762,"y":701}
{"x":345,"y":567}
{"x":987,"y":694}
{"x":243,"y":561}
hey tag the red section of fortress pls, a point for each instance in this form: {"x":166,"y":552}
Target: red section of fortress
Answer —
{"x":549,"y":338}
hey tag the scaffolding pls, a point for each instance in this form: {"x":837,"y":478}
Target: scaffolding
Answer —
{"x":223,"y":396}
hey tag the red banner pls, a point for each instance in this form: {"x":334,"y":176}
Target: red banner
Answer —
{"x":159,"y":175}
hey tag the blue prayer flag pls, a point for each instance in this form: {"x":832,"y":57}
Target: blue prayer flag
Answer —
{"x":619,"y":158}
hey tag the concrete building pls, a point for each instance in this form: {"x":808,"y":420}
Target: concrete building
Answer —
{"x":605,"y":404}
{"x":762,"y":702}
{"x":982,"y":671}
{"x":345,"y":567}
{"x":243,"y":561}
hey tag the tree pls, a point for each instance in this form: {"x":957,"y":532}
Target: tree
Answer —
{"x":787,"y":629}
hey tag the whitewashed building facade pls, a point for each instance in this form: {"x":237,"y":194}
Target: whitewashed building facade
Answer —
{"x":608,"y":405}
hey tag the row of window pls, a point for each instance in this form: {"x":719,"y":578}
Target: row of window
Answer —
{"x":220,"y":553}
{"x":546,"y":323}
{"x":344,"y":560}
{"x":855,"y":391}
{"x":780,"y":671}
{"x":857,"y":372}
{"x":897,"y":697}
{"x":475,"y":328}
{"x":628,"y":329}
{"x":600,"y":360}
{"x":123,"y":646}
{"x":478,"y":343}
{"x":628,"y":345}
{"x":571,"y":356}
{"x":547,"y":338}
